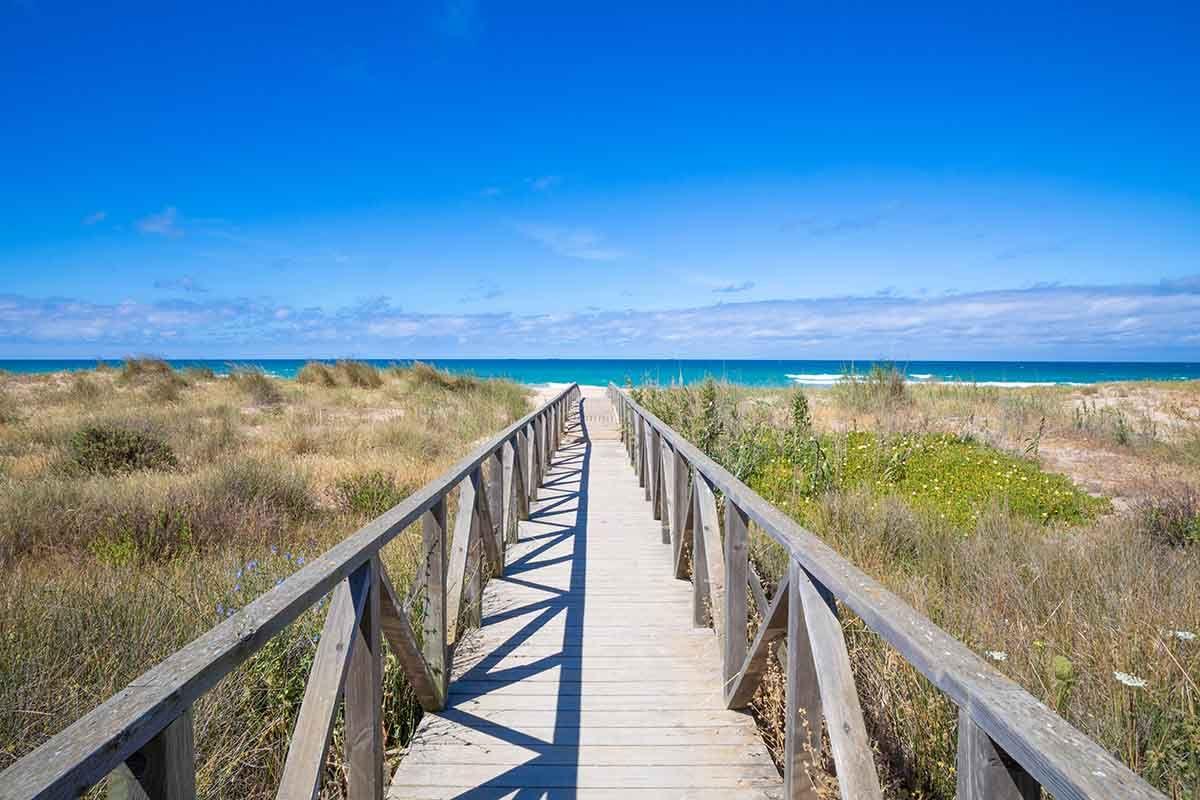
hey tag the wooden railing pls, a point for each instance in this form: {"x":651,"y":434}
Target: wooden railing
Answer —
{"x":145,"y":731}
{"x":1010,"y":745}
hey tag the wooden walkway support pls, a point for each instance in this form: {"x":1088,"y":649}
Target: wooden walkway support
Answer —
{"x":610,"y":653}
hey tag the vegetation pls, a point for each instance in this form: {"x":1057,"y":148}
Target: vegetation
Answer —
{"x":943,"y":495}
{"x":131,"y":522}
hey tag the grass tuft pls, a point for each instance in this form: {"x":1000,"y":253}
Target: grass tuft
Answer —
{"x":369,"y":493}
{"x":255,"y":384}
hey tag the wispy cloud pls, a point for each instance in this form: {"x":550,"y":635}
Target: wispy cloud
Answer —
{"x":95,"y":217}
{"x":732,"y":288}
{"x":164,"y":223}
{"x":571,"y":242}
{"x":544,"y":182}
{"x":185,"y":283}
{"x":1103,"y":322}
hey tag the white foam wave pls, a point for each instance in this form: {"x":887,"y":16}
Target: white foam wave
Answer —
{"x":825,"y":379}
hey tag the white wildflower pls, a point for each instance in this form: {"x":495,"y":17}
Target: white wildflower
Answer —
{"x":1184,"y":636}
{"x":1130,"y":680}
{"x":996,"y":655}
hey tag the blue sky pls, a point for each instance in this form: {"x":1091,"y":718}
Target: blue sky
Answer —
{"x":483,"y":179}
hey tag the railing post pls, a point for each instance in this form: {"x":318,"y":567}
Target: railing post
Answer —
{"x":535,"y":458}
{"x":164,"y":769}
{"x":433,"y":540}
{"x":364,"y":700}
{"x":985,"y":772}
{"x":666,"y":484}
{"x":737,"y":565}
{"x":679,"y":493}
{"x":497,"y":507}
{"x":802,"y":698}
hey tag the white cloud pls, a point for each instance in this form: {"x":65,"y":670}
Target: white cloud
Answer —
{"x":571,"y":242}
{"x":164,"y":223}
{"x":1099,"y":322}
{"x":95,"y":217}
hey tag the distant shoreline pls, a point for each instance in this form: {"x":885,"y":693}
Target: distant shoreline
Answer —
{"x":760,"y":373}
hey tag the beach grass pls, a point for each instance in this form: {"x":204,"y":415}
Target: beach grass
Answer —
{"x":141,"y":506}
{"x":951,"y":497}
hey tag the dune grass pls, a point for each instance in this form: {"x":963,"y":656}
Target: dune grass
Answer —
{"x":1074,"y":601}
{"x":133,"y":519}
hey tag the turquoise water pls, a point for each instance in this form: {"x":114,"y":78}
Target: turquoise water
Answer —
{"x":753,"y":373}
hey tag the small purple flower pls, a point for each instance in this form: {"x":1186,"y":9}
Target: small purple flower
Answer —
{"x":274,"y":550}
{"x":253,"y":565}
{"x":288,"y":556}
{"x":220,"y":610}
{"x":238,"y":574}
{"x":237,"y":587}
{"x":299,"y":561}
{"x":279,"y":582}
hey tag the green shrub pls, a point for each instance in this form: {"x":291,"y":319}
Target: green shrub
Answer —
{"x":369,"y":493}
{"x":255,"y":383}
{"x":107,"y":450}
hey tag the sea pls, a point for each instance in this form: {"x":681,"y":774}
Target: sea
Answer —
{"x":675,"y":371}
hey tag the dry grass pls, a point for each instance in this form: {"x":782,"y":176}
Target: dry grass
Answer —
{"x":1064,"y":608}
{"x":108,"y":570}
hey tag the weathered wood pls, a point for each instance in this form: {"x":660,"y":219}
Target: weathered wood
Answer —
{"x":773,"y":628}
{"x":802,"y":703}
{"x":737,"y":614}
{"x":680,"y":507}
{"x":165,"y":769}
{"x":514,"y":510}
{"x":762,"y":604}
{"x":305,"y":760}
{"x":457,"y":586}
{"x":491,"y":547}
{"x":985,"y":772}
{"x":656,"y":474}
{"x":839,"y":697}
{"x":402,"y":639}
{"x":494,"y":481}
{"x":643,"y":460}
{"x":701,"y":585}
{"x":709,"y":546}
{"x":91,"y":747}
{"x":666,"y":489}
{"x":584,"y":672}
{"x":363,"y":710}
{"x":686,"y":529}
{"x":1066,"y":763}
{"x":433,"y":576}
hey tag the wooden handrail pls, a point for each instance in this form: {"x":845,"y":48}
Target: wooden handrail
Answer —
{"x":1009,"y":742}
{"x":151,"y":717}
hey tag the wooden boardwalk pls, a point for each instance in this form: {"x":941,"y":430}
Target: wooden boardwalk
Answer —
{"x":586,"y":678}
